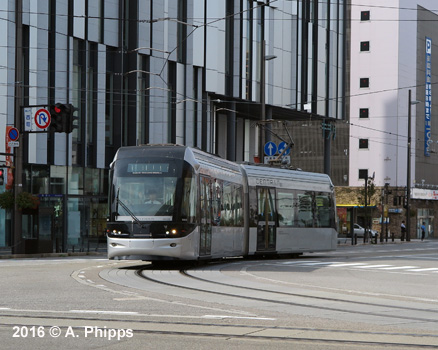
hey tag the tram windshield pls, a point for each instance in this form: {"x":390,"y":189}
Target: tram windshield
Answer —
{"x":148,"y":190}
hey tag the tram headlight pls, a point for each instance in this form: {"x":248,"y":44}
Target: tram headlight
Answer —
{"x":115,"y":232}
{"x":173,"y":231}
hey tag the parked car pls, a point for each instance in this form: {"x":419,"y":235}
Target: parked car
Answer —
{"x":360,"y":232}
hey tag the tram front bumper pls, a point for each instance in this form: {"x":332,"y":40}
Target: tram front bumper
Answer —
{"x":179,"y":248}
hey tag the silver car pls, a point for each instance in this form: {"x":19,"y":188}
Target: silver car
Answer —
{"x":360,"y":231}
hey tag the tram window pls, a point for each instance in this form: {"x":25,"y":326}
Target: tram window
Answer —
{"x":238,"y":207}
{"x":231,"y":205}
{"x":188,"y":207}
{"x":266,"y":205}
{"x":285,"y":208}
{"x":305,"y":212}
{"x":227,"y":202}
{"x":217,"y":203}
{"x":324,"y":210}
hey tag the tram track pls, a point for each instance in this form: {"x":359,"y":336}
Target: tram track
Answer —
{"x":190,"y":280}
{"x":228,"y":331}
{"x":277,"y":297}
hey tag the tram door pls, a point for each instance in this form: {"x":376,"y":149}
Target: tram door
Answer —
{"x":206,"y":216}
{"x":266,"y":228}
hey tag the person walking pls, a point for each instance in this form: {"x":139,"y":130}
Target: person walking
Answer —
{"x":403,"y":231}
{"x":423,"y":231}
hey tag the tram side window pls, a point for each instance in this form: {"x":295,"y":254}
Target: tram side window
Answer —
{"x":217,"y":203}
{"x":238,"y":205}
{"x":232,"y":199}
{"x":253,"y":213}
{"x":305,"y":212}
{"x":188,"y":208}
{"x":324,"y":210}
{"x":285,"y":208}
{"x":266,"y":205}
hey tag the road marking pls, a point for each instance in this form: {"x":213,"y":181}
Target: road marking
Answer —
{"x":104,"y":312}
{"x":398,"y":267}
{"x":425,"y":269}
{"x":370,"y":266}
{"x":238,"y":317}
{"x":347,"y":265}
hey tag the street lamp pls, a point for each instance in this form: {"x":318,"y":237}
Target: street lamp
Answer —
{"x":408,"y":176}
{"x":263,"y":60}
{"x":365,"y":236}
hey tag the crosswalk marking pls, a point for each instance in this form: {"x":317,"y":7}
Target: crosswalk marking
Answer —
{"x":362,"y":265}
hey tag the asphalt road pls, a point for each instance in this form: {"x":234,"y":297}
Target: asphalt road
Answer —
{"x":359,"y":297}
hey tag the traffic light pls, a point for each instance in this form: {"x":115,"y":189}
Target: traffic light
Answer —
{"x":63,"y":118}
{"x":2,"y":177}
{"x":59,"y":118}
{"x":71,"y":118}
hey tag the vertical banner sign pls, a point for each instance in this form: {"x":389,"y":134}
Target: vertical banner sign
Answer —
{"x":10,"y":179}
{"x":428,"y":102}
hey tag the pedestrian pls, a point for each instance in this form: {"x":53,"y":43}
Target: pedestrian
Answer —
{"x":423,"y":231}
{"x":403,"y":230}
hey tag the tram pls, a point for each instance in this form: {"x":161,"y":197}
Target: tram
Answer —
{"x":172,"y":202}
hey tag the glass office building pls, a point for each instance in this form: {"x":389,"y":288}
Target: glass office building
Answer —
{"x":197,"y":72}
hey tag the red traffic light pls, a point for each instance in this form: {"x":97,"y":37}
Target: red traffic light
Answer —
{"x":1,"y":172}
{"x":57,"y":109}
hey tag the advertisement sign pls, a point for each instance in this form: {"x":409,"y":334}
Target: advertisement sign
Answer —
{"x":10,"y":131}
{"x":428,"y":99}
{"x":420,"y":193}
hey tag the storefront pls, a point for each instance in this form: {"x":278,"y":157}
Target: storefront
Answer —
{"x":71,"y":213}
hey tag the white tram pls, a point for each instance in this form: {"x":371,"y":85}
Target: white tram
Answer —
{"x":170,"y":202}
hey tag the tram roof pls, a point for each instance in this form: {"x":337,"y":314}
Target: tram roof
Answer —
{"x":270,"y":172}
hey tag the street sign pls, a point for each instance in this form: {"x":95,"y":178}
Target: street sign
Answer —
{"x":270,"y":148}
{"x":14,"y":144}
{"x":282,"y":146}
{"x":42,"y":118}
{"x":269,"y":159}
{"x":13,"y":134}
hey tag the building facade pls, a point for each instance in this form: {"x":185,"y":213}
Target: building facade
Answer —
{"x":196,"y":72}
{"x":393,"y":68}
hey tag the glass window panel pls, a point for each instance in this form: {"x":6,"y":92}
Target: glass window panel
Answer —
{"x":305,"y":212}
{"x":285,"y":208}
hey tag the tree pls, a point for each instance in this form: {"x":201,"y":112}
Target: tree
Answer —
{"x":368,"y":191}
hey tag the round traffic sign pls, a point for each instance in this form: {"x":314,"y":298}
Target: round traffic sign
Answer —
{"x":283,"y":146}
{"x":270,"y":148}
{"x":13,"y":134}
{"x":42,"y":118}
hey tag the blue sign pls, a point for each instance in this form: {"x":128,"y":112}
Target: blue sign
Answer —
{"x":13,"y":134}
{"x":428,"y":101}
{"x":270,"y":148}
{"x":283,"y":146}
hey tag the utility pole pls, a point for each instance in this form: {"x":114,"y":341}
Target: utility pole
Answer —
{"x":17,"y":246}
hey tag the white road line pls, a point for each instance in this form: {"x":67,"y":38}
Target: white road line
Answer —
{"x":398,"y":267}
{"x":297,"y":262}
{"x":316,"y":263}
{"x":104,"y":312}
{"x":425,"y":269}
{"x":347,"y":265}
{"x":370,"y":266}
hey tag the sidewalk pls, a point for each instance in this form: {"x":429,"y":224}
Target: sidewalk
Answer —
{"x":348,"y":241}
{"x":7,"y":254}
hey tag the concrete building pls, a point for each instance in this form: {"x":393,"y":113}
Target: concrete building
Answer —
{"x":194,"y":72}
{"x":392,"y":50}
